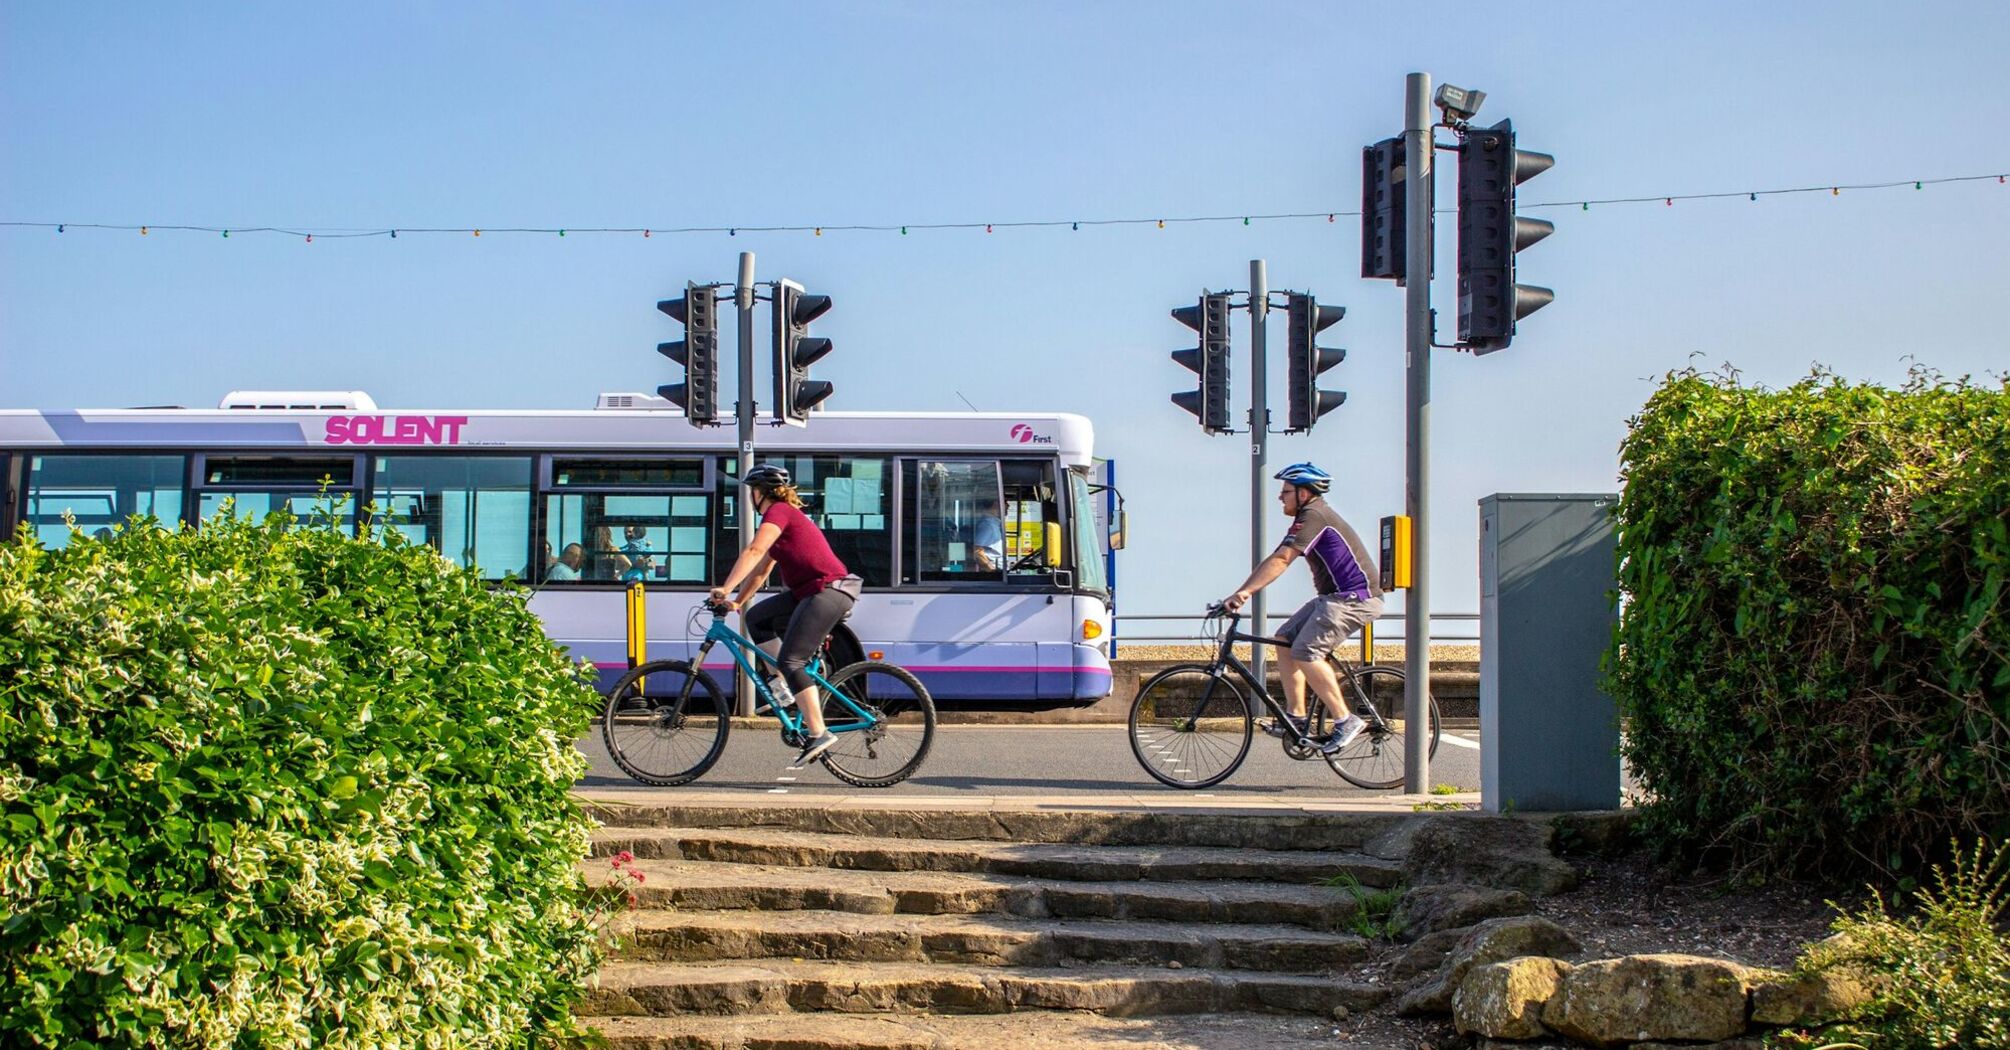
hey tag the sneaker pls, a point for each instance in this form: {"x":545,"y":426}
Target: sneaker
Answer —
{"x":823,"y":742}
{"x":1343,"y":734}
{"x":1277,"y":729}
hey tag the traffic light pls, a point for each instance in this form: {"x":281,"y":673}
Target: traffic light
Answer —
{"x":1208,"y":401}
{"x":1383,"y":253}
{"x":1304,"y":320}
{"x":698,"y":352}
{"x":795,"y":351}
{"x":1490,"y":233}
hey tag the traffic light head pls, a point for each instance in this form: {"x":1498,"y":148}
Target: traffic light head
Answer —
{"x":1384,"y":253}
{"x":1304,"y":320}
{"x":1490,"y":234}
{"x":795,"y":350}
{"x":1208,"y":400}
{"x":698,"y":352}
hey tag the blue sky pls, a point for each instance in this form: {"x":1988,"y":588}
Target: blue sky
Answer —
{"x":659,"y":115}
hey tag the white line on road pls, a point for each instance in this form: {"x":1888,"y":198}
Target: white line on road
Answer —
{"x":778,"y":791}
{"x":1457,"y":741}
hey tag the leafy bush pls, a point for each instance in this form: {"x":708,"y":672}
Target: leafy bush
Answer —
{"x":1941,"y":976}
{"x":275,"y":786}
{"x":1814,"y":653}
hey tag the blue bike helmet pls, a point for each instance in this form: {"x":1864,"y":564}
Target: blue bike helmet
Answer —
{"x":1307,"y":476}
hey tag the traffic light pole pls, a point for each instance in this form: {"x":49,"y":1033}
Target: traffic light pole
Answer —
{"x":1259,"y":440}
{"x":1418,"y":244}
{"x":743,"y":297}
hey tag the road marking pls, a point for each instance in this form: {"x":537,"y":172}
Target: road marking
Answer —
{"x":785,"y":779}
{"x":1458,"y":741}
{"x":778,"y":791}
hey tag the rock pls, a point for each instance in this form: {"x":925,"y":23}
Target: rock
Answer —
{"x":1602,"y":832}
{"x":1340,"y":1013}
{"x":1492,"y":941}
{"x":1835,"y":994}
{"x":1426,"y":955}
{"x":1429,"y":909}
{"x":1613,"y":1002}
{"x":1501,"y":852}
{"x":1504,"y":1000}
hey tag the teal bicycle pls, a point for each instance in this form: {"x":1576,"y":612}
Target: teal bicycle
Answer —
{"x":666,"y":721}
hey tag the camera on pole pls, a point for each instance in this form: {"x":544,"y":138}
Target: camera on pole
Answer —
{"x":1304,"y":401}
{"x":1208,"y":401}
{"x":1490,"y":235}
{"x":698,"y":352}
{"x":795,"y":350}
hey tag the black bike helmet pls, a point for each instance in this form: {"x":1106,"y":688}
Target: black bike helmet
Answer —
{"x":767,"y":476}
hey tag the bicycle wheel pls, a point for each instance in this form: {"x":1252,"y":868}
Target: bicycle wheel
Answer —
{"x":1190,"y":726}
{"x":893,"y":747}
{"x":664,"y":725}
{"x":1374,"y":760}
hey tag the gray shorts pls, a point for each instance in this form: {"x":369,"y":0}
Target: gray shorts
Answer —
{"x":1320,"y":625}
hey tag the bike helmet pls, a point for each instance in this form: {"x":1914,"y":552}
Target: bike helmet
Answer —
{"x":1307,"y":476}
{"x":766,"y":475}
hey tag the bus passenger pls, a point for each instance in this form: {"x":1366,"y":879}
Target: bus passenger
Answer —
{"x":818,"y":591}
{"x":568,"y":563}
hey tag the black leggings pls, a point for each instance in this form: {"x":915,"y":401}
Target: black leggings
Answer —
{"x":801,"y":624}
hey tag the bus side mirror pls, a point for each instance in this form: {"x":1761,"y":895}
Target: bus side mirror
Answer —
{"x":1117,"y":534}
{"x":1050,"y":549}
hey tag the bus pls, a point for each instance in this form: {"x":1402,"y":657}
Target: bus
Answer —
{"x":581,"y":505}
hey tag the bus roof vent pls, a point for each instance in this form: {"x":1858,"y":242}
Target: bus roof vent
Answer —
{"x":300,"y":400}
{"x":634,"y":403}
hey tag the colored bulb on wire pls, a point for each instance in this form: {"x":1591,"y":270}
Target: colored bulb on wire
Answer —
{"x":820,"y":231}
{"x":143,"y":231}
{"x":1245,"y":220}
{"x":310,"y":238}
{"x":645,"y":233}
{"x":987,"y":227}
{"x":1162,"y":224}
{"x":394,"y":235}
{"x":561,"y":233}
{"x":478,"y":233}
{"x":1074,"y":225}
{"x":226,"y":235}
{"x":903,"y":231}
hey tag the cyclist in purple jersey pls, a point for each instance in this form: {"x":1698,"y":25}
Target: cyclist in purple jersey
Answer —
{"x":1349,"y":595}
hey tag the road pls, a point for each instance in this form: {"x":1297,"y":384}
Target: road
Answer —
{"x":1080,"y":760}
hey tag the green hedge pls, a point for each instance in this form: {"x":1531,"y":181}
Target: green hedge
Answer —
{"x":1814,"y":647}
{"x":275,"y":786}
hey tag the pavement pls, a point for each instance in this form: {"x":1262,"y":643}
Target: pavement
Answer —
{"x":1034,"y":767}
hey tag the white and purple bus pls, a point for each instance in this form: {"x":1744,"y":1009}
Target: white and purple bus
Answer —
{"x":581,"y":504}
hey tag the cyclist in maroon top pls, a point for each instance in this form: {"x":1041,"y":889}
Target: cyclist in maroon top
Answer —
{"x":818,"y":592}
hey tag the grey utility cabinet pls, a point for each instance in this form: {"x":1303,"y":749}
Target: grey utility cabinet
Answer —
{"x":1549,"y":737}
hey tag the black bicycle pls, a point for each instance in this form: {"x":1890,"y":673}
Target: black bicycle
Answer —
{"x":1191,"y":724}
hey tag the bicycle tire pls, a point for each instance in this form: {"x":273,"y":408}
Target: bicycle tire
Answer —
{"x":654,"y":703}
{"x":1375,"y":759}
{"x":1180,"y":729}
{"x":903,"y":706}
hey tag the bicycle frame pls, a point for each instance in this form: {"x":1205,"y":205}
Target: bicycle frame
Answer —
{"x":739,"y":646}
{"x":1225,"y":658}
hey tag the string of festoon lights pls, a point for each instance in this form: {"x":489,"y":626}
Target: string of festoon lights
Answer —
{"x":392,"y":233}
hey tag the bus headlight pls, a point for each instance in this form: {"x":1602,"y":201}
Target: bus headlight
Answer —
{"x":1091,"y":630}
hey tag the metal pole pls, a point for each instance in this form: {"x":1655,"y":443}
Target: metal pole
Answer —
{"x":1259,"y":439}
{"x":1419,"y":203}
{"x":743,"y":296}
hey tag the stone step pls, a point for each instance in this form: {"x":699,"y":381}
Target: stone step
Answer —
{"x":1036,"y":1030}
{"x":769,"y":986}
{"x":674,"y":936}
{"x":1162,"y":827}
{"x":715,"y":886}
{"x":1029,"y":859}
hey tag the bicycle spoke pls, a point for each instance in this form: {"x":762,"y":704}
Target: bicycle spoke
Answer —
{"x":1189,"y":728}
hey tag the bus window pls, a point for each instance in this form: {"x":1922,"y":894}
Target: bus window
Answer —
{"x":849,"y":497}
{"x":955,"y":522}
{"x":1089,"y":538}
{"x":1029,"y":506}
{"x":474,"y":510}
{"x":626,"y":537}
{"x":308,"y":487}
{"x":100,"y":492}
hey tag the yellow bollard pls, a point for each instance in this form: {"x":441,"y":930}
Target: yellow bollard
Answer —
{"x":1368,"y":643}
{"x":638,"y":622}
